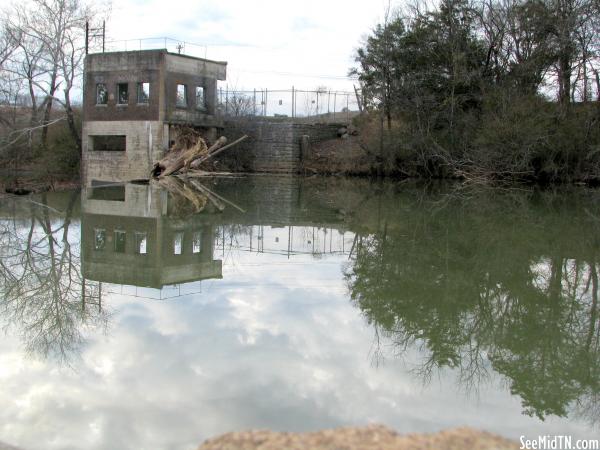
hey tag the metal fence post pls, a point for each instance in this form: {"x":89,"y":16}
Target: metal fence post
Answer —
{"x":334,"y":102}
{"x":347,"y":107}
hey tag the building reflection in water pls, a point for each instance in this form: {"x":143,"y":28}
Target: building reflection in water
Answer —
{"x":291,"y":240}
{"x":131,"y":237}
{"x":135,"y":238}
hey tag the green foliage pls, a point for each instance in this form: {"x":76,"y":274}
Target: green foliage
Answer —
{"x":459,"y":86}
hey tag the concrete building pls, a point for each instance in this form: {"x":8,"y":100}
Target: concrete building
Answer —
{"x":134,"y":102}
{"x":128,"y":237}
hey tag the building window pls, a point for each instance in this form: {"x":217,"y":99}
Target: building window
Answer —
{"x":200,"y":101}
{"x":178,"y":243}
{"x":197,"y":242}
{"x":122,"y":93}
{"x":120,"y":240}
{"x":110,"y":143}
{"x":99,"y":239}
{"x":108,"y":193}
{"x":143,"y":92}
{"x":181,"y":96}
{"x":141,"y":243}
{"x":101,"y":94}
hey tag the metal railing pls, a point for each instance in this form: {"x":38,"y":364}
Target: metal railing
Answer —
{"x":170,"y":44}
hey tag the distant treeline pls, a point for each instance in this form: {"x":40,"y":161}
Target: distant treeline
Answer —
{"x":485,"y":89}
{"x":42,"y":48}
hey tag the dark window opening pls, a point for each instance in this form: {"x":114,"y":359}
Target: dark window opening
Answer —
{"x":109,"y":193}
{"x":143,"y":92}
{"x":101,"y":94}
{"x":200,"y":100}
{"x":99,"y":239}
{"x":112,"y":143}
{"x":181,"y":96}
{"x":122,"y":93}
{"x":120,"y":240}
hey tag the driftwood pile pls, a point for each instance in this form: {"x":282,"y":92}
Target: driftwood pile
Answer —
{"x":189,"y":152}
{"x":176,"y":172}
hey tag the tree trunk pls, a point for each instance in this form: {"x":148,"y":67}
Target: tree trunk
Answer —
{"x":48,"y":109}
{"x":71,"y":121}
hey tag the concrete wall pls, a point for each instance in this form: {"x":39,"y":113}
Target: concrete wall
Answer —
{"x":273,"y":146}
{"x":139,"y":200}
{"x":163,"y":71}
{"x":146,"y":142}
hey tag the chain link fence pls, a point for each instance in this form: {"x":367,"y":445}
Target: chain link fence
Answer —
{"x":320,"y":105}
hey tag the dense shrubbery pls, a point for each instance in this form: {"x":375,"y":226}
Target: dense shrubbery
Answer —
{"x":27,"y":162}
{"x":457,"y":91}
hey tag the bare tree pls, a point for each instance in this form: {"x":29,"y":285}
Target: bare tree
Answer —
{"x":43,"y":293}
{"x":50,"y":56}
{"x":240,"y":104}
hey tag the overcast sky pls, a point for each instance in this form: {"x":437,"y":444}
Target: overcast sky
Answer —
{"x":271,"y":43}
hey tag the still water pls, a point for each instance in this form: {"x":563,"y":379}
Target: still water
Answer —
{"x":147,"y":316}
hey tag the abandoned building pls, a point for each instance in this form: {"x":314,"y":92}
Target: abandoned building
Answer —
{"x":130,"y":226}
{"x":134,"y":102}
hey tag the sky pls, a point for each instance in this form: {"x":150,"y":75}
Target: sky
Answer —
{"x":273,"y":44}
{"x":270,"y":44}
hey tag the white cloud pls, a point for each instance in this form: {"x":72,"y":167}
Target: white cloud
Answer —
{"x":260,"y":40}
{"x":170,"y":374}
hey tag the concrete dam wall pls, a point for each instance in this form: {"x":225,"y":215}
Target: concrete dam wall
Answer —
{"x":272,"y":146}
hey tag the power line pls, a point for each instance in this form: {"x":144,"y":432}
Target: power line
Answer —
{"x":307,"y":75}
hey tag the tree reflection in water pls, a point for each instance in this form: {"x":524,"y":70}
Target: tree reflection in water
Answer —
{"x":505,"y":282}
{"x":43,"y":295}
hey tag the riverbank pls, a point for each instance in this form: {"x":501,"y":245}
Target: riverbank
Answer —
{"x":560,"y":149}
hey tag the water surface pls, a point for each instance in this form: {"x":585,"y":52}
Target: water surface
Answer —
{"x":141,"y":316}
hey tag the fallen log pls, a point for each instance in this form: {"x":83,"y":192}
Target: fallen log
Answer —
{"x":186,"y":157}
{"x":213,"y":148}
{"x":187,"y":138}
{"x":180,"y":161}
{"x":196,"y":164}
{"x":179,"y":189}
{"x":210,"y":194}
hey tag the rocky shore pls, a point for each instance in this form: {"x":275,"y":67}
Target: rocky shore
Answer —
{"x":372,"y":437}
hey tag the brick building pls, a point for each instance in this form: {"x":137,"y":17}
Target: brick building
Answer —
{"x":132,"y":104}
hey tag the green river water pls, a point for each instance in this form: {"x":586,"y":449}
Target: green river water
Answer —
{"x":143,"y":316}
